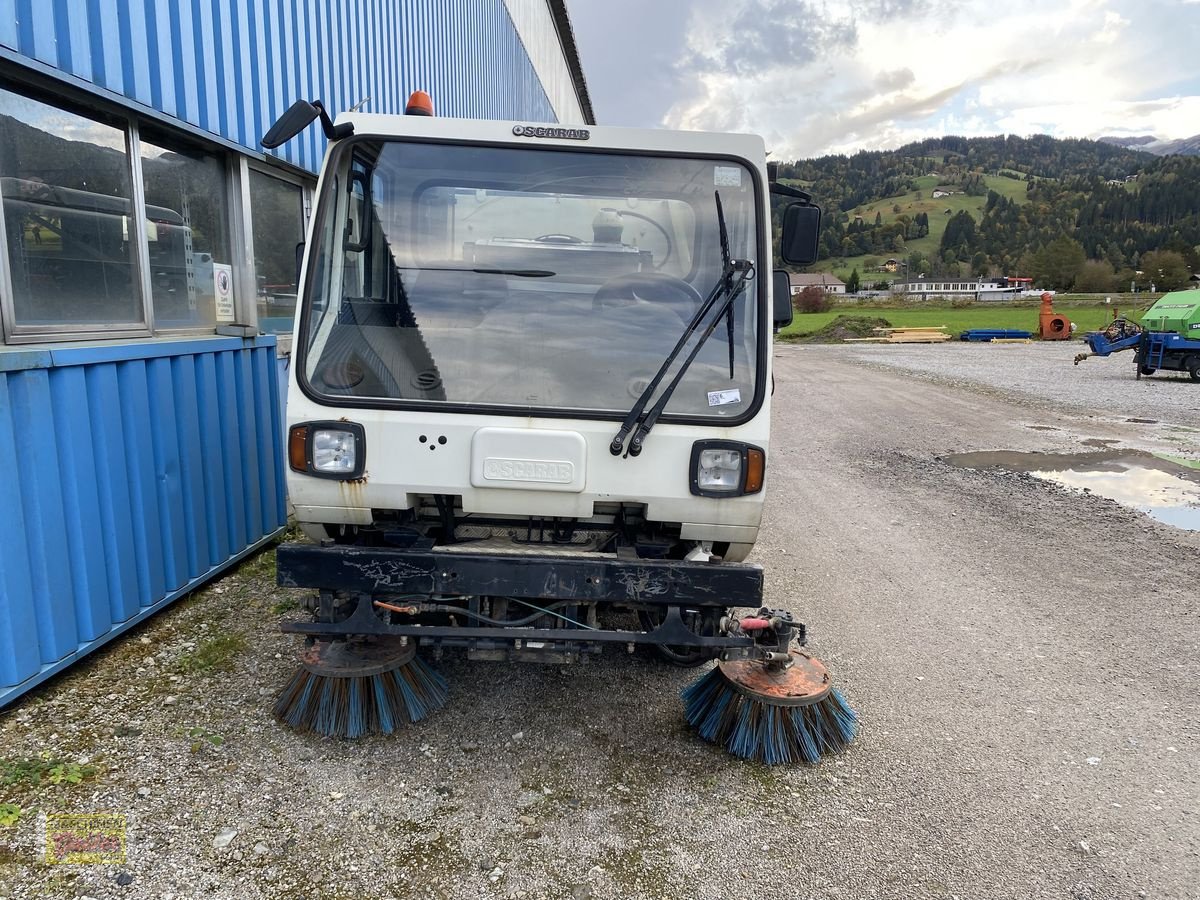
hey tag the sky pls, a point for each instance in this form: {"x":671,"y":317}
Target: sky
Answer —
{"x":837,"y":76}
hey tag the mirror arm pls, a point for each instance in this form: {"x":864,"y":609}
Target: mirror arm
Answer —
{"x":786,"y":190}
{"x":332,"y":132}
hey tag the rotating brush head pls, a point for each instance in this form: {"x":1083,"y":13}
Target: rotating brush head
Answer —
{"x":353,"y":688}
{"x":773,"y":716}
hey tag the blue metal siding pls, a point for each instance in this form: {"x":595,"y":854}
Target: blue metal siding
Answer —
{"x":232,"y":66}
{"x":141,"y":470}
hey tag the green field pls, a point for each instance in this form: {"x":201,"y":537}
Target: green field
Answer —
{"x":910,"y":205}
{"x":1023,"y":317}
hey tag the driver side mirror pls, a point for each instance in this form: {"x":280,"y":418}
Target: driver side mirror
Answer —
{"x":801,"y":231}
{"x":781,"y":298}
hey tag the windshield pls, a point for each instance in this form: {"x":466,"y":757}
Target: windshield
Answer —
{"x":530,"y":278}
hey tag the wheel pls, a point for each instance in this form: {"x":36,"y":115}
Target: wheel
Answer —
{"x":1145,"y":370}
{"x":1193,"y":365}
{"x":651,"y":287}
{"x":684,"y":657}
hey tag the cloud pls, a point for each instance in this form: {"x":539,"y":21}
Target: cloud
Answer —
{"x":765,"y":34}
{"x":816,"y":77}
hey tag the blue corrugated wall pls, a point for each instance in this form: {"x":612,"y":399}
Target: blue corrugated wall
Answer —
{"x":135,"y":471}
{"x":232,"y":66}
{"x":132,"y":473}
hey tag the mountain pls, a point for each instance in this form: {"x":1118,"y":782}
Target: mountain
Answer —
{"x":1067,"y":212}
{"x":1158,"y":146}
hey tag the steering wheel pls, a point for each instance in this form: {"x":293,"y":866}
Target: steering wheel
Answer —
{"x":558,"y":239}
{"x":650,"y":287}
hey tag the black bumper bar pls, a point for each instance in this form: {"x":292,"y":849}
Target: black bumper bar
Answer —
{"x":374,"y":570}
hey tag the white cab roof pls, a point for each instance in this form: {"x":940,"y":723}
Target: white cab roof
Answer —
{"x":748,"y":146}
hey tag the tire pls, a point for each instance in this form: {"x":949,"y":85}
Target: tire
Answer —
{"x":1193,"y":367}
{"x":684,"y":657}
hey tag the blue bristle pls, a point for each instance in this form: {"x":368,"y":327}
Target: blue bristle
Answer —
{"x":353,"y":707}
{"x":355,"y":727}
{"x":387,"y":724}
{"x":756,"y":730}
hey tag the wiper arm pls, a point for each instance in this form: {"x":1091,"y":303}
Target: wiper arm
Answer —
{"x":744,"y":269}
{"x":618,"y":441}
{"x":724,"y":287}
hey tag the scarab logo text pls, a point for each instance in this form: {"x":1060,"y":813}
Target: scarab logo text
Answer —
{"x":539,"y":131}
{"x":551,"y":471}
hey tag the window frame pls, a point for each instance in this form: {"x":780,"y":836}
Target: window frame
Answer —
{"x":233,"y":214}
{"x":15,"y":333}
{"x":237,"y":162}
{"x":307,"y":186}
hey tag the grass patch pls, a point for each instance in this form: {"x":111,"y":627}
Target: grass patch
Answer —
{"x":839,"y":329}
{"x":954,"y":320}
{"x":214,"y":654}
{"x":34,"y":771}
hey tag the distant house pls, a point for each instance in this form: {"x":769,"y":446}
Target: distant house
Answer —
{"x":831,"y":283}
{"x":976,"y":288}
{"x":1116,"y":182}
{"x":890,"y":265}
{"x":943,"y":192}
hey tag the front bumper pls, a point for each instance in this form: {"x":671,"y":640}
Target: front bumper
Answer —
{"x":365,"y":575}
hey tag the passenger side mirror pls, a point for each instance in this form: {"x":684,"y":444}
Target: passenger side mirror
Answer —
{"x":801,"y":232}
{"x":781,"y":298}
{"x":297,"y":117}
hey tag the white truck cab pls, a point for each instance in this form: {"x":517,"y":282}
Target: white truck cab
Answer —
{"x":531,"y":381}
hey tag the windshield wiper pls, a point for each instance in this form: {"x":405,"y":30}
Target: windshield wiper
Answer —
{"x":517,"y":273}
{"x":734,"y":275}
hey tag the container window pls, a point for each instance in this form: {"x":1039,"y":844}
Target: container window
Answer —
{"x":277,"y":218}
{"x":187,"y":212}
{"x":67,"y":214}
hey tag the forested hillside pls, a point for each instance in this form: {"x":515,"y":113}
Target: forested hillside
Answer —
{"x":1070,"y":213}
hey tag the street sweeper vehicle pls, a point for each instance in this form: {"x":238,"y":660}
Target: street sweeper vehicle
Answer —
{"x":529,"y":417}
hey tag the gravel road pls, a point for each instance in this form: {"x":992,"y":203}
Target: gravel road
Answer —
{"x":1023,"y":660}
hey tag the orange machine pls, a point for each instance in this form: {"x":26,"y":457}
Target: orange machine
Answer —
{"x":1052,"y":326}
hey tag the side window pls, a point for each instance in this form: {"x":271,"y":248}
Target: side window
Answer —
{"x":277,"y":220}
{"x":67,"y":216}
{"x":188,"y":232}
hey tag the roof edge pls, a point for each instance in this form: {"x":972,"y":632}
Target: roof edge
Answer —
{"x":566,"y":37}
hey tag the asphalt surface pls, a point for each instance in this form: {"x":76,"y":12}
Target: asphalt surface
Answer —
{"x":1024,"y":661}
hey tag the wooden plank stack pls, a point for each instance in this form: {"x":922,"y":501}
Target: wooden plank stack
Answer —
{"x":925,"y":334}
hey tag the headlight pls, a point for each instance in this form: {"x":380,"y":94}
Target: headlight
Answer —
{"x":726,"y":469}
{"x":334,"y":452}
{"x":328,"y":449}
{"x":719,"y":470}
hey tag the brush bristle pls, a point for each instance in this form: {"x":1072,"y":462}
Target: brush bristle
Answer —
{"x":353,"y":707}
{"x":757,"y":730}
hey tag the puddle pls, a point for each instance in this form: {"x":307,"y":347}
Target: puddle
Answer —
{"x":1167,"y":489}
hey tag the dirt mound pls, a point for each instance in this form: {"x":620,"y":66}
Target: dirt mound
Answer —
{"x":844,"y":327}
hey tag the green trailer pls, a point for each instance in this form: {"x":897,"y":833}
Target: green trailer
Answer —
{"x":1178,"y":311}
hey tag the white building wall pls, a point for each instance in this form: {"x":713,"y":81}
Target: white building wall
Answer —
{"x":535,"y":26}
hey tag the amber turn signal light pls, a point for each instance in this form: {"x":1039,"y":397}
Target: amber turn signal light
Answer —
{"x":298,"y":448}
{"x":756,"y":464}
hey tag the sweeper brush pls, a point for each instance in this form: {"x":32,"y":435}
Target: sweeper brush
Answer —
{"x":778,"y":712}
{"x":351,"y":688}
